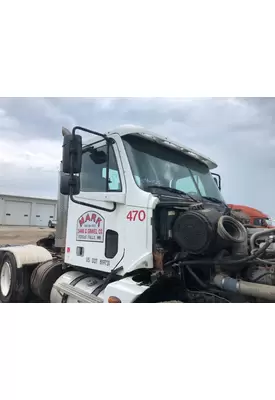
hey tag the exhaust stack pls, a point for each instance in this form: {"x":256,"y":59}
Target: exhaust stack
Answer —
{"x":62,"y":208}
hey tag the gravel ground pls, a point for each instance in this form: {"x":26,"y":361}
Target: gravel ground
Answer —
{"x":22,"y":234}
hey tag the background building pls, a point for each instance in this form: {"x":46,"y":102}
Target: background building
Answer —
{"x":26,"y":211}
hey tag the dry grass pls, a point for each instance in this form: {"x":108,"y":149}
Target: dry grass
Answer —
{"x":22,"y":234}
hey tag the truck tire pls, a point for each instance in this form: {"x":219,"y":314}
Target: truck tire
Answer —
{"x":44,"y":276}
{"x":14,"y":282}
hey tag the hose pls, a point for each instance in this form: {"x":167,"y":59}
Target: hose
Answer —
{"x":266,"y":262}
{"x":254,"y":256}
{"x":261,"y":276}
{"x":224,"y":282}
{"x":257,"y":235}
{"x":233,"y":225}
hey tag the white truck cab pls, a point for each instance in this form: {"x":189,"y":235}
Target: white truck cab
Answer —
{"x":124,"y":175}
{"x":124,"y":190}
{"x":115,"y":229}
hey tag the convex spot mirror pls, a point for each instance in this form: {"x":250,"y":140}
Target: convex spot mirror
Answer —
{"x":69,"y":184}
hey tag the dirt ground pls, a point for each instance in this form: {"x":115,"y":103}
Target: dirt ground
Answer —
{"x":22,"y":234}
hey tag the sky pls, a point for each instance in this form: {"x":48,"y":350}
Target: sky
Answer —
{"x":237,"y":133}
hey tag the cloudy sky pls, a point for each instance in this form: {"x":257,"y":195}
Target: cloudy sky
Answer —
{"x":238,"y":133}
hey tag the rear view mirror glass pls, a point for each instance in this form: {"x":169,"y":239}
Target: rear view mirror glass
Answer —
{"x":69,"y":183}
{"x":72,"y":154}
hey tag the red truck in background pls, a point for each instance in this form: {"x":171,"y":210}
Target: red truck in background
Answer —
{"x":256,"y":217}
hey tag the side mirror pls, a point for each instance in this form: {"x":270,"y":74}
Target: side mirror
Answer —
{"x":69,"y":184}
{"x":72,"y":154}
{"x":98,"y":157}
{"x":217,"y":180}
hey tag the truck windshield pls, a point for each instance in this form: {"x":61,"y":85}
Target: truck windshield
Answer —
{"x":155,"y":165}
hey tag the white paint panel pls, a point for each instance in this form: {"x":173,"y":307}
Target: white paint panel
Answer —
{"x":28,"y":255}
{"x":17,"y":213}
{"x":43,"y":213}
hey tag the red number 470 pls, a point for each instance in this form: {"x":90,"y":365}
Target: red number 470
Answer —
{"x":136,"y":215}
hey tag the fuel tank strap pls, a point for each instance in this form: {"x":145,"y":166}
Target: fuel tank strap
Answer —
{"x":73,"y":283}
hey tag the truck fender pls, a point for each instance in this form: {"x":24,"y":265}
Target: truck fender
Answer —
{"x":125,"y":289}
{"x":27,"y":255}
{"x":14,"y":279}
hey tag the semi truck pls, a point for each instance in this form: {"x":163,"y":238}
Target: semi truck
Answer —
{"x":256,"y":217}
{"x":141,"y":219}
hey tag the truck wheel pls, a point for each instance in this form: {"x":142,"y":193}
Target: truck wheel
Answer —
{"x":44,"y":276}
{"x":14,"y":282}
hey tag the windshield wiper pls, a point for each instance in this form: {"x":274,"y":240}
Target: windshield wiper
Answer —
{"x":213,"y":199}
{"x":172,"y":190}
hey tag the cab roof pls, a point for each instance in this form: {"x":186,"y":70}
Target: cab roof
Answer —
{"x":252,"y":212}
{"x":164,"y":141}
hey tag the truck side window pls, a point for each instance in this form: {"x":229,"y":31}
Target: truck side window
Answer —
{"x":93,"y":174}
{"x":137,"y":179}
{"x":114,"y":179}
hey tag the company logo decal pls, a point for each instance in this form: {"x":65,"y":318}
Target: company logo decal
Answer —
{"x":90,"y":227}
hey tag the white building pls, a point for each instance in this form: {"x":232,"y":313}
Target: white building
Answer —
{"x":26,"y":211}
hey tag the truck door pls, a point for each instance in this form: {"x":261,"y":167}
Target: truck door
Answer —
{"x":97,"y":242}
